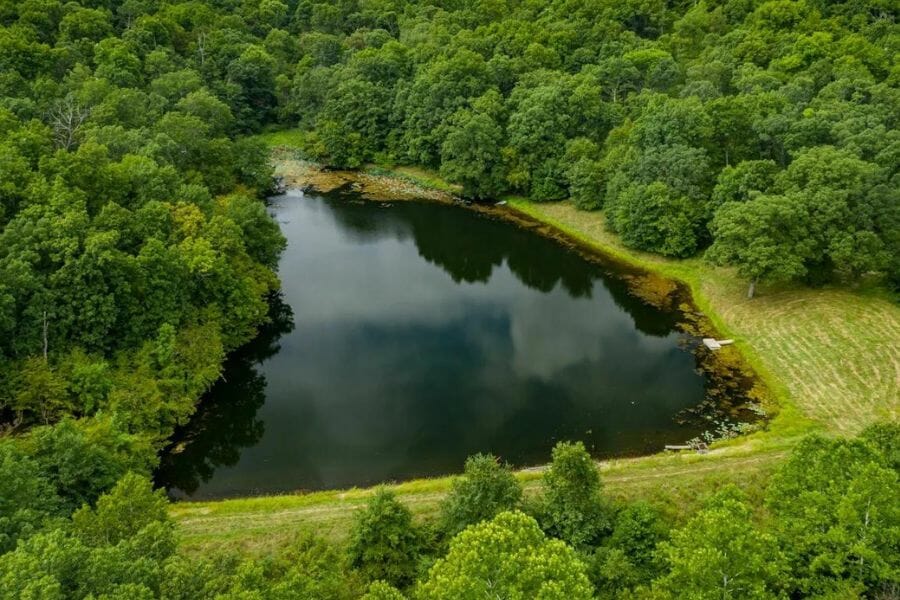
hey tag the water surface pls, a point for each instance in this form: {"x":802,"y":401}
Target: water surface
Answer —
{"x":410,"y":335}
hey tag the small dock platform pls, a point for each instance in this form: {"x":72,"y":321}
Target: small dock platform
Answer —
{"x":699,"y":447}
{"x":714,"y":344}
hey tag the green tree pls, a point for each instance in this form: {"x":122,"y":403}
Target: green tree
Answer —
{"x":83,"y":459}
{"x":207,"y":107}
{"x":744,"y":181}
{"x":118,"y":550}
{"x":27,"y":498}
{"x":657,"y":218}
{"x":765,"y":238}
{"x":486,"y":488}
{"x":585,"y":174}
{"x":850,"y":214}
{"x":119,"y":515}
{"x":439,"y":90}
{"x":384,"y":544}
{"x":836,"y":515}
{"x":380,"y":590}
{"x":355,"y":109}
{"x":719,"y":553}
{"x":538,"y":126}
{"x":627,"y":557}
{"x":471,"y":155}
{"x":40,"y":391}
{"x":253,"y":97}
{"x":884,"y":436}
{"x":507,"y":557}
{"x":572,"y":508}
{"x":117,"y":63}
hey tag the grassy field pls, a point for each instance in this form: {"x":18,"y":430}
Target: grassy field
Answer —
{"x":829,"y":357}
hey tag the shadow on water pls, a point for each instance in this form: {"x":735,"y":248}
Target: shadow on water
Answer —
{"x":226,"y":420}
{"x":411,"y":335}
{"x":444,"y":237}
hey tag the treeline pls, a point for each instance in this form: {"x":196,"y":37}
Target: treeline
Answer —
{"x":829,"y":528}
{"x":135,"y":251}
{"x":766,"y":132}
{"x":763,"y":131}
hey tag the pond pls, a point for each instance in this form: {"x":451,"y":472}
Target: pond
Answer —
{"x":410,"y":335}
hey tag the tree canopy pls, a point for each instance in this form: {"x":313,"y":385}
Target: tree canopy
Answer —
{"x":136,"y":253}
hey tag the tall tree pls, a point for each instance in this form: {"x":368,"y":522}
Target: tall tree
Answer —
{"x":719,"y":553}
{"x":766,"y":238}
{"x":508,"y":557}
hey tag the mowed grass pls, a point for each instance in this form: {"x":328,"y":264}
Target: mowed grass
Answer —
{"x":831,"y":355}
{"x":675,"y":483}
{"x":830,"y":359}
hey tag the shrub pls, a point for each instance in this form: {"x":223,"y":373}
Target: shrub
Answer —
{"x":486,"y":489}
{"x":383,"y":544}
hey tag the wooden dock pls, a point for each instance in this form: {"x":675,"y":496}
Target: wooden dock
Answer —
{"x":700,"y":447}
{"x":714,"y":344}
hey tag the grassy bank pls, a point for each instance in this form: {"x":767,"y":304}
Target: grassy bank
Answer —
{"x":828,"y":356}
{"x":674,"y":483}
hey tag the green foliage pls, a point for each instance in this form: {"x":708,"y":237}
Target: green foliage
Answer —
{"x":744,"y":181}
{"x":116,"y":125}
{"x":572,"y":508}
{"x":384,"y":545}
{"x":471,"y":155}
{"x":26,"y":498}
{"x":765,"y":237}
{"x":380,"y":590}
{"x":354,"y":122}
{"x":40,"y":391}
{"x":507,"y":557}
{"x":82,"y":459}
{"x":485,"y":489}
{"x":719,"y":553}
{"x":627,"y":557}
{"x":884,"y":437}
{"x":311,"y":568}
{"x":655,"y":217}
{"x":585,"y":174}
{"x":836,"y":514}
{"x":116,"y":550}
{"x":122,"y":513}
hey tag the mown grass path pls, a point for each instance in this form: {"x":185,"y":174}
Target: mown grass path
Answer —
{"x":829,"y":357}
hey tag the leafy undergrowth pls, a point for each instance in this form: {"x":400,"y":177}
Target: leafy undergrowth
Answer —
{"x":828,"y":356}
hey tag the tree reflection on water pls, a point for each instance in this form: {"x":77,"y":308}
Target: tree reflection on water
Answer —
{"x":225,"y":421}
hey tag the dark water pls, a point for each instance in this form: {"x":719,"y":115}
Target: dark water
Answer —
{"x":412,"y":335}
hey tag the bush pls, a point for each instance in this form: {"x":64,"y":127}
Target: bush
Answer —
{"x":572,"y":508}
{"x":486,"y":489}
{"x":628,"y":556}
{"x":383,"y":543}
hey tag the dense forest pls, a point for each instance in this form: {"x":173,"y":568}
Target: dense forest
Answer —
{"x":135,"y":253}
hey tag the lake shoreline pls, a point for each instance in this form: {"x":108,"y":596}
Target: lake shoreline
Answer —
{"x":733,"y":394}
{"x":808,"y":396}
{"x":730,"y":373}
